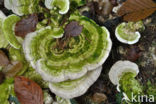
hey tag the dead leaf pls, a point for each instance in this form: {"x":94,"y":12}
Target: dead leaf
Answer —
{"x":26,"y":25}
{"x":99,"y":97}
{"x":135,"y":10}
{"x":73,"y":29}
{"x":4,"y":61}
{"x":12,"y":69}
{"x":27,"y":91}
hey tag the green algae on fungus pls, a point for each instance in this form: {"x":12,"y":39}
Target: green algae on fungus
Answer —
{"x":3,"y":42}
{"x":129,"y":32}
{"x":74,"y":88}
{"x":123,"y":75}
{"x":22,"y":7}
{"x":63,"y":5}
{"x":86,"y":52}
{"x":129,"y":85}
{"x":8,"y":27}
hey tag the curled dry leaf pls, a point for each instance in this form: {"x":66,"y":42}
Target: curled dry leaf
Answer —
{"x":4,"y":61}
{"x":73,"y":29}
{"x":26,"y":25}
{"x":27,"y":91}
{"x":135,"y":10}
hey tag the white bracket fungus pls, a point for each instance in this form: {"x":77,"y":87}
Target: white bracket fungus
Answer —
{"x":72,"y":63}
{"x":22,"y":7}
{"x":128,"y":33}
{"x":8,"y":27}
{"x":63,"y":5}
{"x":74,"y":88}
{"x":121,"y":67}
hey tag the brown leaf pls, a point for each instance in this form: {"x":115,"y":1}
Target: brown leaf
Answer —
{"x":4,"y":61}
{"x":73,"y":29}
{"x":135,"y":10}
{"x":12,"y":69}
{"x":27,"y":91}
{"x":99,"y":97}
{"x":26,"y":25}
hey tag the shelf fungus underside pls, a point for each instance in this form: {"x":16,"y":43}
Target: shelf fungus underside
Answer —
{"x":74,"y":88}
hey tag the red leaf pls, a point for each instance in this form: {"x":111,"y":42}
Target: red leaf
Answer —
{"x":27,"y":91}
{"x":26,"y":25}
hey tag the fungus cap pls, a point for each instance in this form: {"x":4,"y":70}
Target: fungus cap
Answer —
{"x":72,"y":63}
{"x":126,"y":36}
{"x":8,"y":27}
{"x":63,"y":5}
{"x":121,"y":67}
{"x":22,"y":7}
{"x":3,"y":42}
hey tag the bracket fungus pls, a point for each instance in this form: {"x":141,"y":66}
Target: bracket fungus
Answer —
{"x":60,"y":100}
{"x":3,"y":42}
{"x":65,"y":53}
{"x":74,"y":88}
{"x":120,"y":68}
{"x":22,"y":7}
{"x":8,"y":28}
{"x":72,"y":65}
{"x":56,"y":65}
{"x":63,"y":5}
{"x":123,"y":75}
{"x":128,"y":33}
